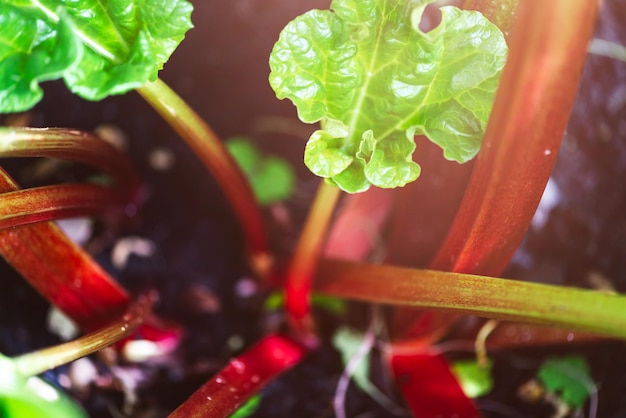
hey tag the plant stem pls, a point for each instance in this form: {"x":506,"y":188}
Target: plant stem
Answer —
{"x":241,"y":378}
{"x":37,"y":362}
{"x":577,"y":309}
{"x":72,"y":145}
{"x":48,"y":203}
{"x":61,"y":271}
{"x":301,"y":272}
{"x":216,"y":158}
{"x":548,"y":46}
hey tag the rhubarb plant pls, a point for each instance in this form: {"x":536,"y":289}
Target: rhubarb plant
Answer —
{"x":106,"y":48}
{"x":375,"y":80}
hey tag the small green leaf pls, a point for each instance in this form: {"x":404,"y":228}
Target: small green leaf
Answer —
{"x":98,"y":48}
{"x":335,"y":306}
{"x":271,"y":178}
{"x":348,"y":342}
{"x":568,"y":377}
{"x":366,"y":67}
{"x":22,"y":396}
{"x":248,"y":408}
{"x":475,"y":379}
{"x":274,"y":301}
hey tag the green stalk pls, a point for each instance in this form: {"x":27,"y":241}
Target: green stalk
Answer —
{"x":489,"y":297}
{"x":214,"y":155}
{"x":37,"y":362}
{"x":299,"y":282}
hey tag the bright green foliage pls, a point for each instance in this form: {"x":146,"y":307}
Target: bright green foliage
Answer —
{"x":475,"y":379}
{"x":98,"y":47}
{"x":271,"y":178}
{"x":248,"y":408}
{"x":22,"y":396}
{"x":375,"y":80}
{"x":568,"y":377}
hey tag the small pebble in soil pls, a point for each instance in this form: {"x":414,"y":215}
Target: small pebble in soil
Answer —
{"x":112,"y":134}
{"x":132,"y":245}
{"x":60,"y":324}
{"x":246,"y":288}
{"x":161,"y":159}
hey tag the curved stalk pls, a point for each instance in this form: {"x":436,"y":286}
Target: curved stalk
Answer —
{"x":37,"y":362}
{"x":40,"y":204}
{"x":206,"y":144}
{"x":489,"y":297}
{"x":301,"y":271}
{"x":548,"y":46}
{"x":71,"y":145}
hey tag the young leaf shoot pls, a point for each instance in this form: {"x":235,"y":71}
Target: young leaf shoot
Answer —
{"x":375,"y":80}
{"x":98,"y":48}
{"x":568,"y":377}
{"x":272,"y":178}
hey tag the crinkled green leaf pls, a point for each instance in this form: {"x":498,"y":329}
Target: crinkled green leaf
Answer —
{"x":475,"y":379}
{"x":98,"y":47}
{"x":366,"y":66}
{"x":569,"y":377}
{"x":32,"y":49}
{"x":271,"y":178}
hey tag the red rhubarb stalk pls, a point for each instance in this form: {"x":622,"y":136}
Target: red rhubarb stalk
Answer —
{"x":59,"y":269}
{"x":69,"y":144}
{"x":548,"y":46}
{"x":301,"y":271}
{"x":241,"y":378}
{"x":40,"y":204}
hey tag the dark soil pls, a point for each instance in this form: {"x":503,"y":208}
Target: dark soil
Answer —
{"x":222,"y":69}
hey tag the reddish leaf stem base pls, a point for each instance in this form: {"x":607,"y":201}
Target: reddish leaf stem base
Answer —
{"x":429,"y":386}
{"x":241,"y":378}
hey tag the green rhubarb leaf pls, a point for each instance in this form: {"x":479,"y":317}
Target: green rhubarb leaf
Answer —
{"x":568,"y":377}
{"x":32,"y":49}
{"x":375,"y":80}
{"x":24,"y":396}
{"x":98,"y":47}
